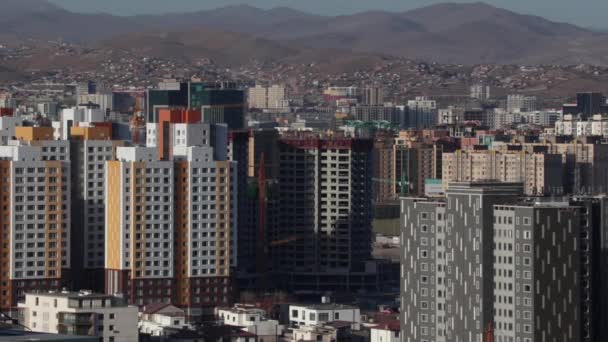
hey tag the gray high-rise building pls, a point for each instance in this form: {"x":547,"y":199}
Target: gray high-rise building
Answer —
{"x":447,"y":250}
{"x":536,"y":272}
{"x":486,"y":261}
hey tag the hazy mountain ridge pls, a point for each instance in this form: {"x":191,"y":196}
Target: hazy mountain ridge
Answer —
{"x":452,"y":33}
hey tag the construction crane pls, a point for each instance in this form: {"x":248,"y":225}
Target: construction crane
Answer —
{"x":137,"y":124}
{"x":286,"y":241}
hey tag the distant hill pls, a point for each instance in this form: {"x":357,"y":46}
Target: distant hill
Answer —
{"x":223,"y":48}
{"x":470,"y":33}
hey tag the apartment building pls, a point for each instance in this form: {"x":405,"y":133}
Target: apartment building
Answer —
{"x":536,"y":272}
{"x":272,"y":97}
{"x":81,"y":314}
{"x":90,"y":148}
{"x":35,"y":227}
{"x":383,"y":167}
{"x":140,"y":239}
{"x":539,"y":170}
{"x":447,"y":262}
{"x":324,"y":223}
{"x":181,"y":216}
{"x":486,"y":260}
{"x":415,"y":161}
{"x":205,"y":223}
{"x":584,"y":163}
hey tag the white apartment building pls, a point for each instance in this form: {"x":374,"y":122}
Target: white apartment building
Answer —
{"x":251,"y":319}
{"x":35,"y":214}
{"x":140,"y":225}
{"x":80,"y":313}
{"x":319,"y":314}
{"x":175,"y":234}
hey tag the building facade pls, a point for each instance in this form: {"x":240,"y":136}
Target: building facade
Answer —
{"x":35,"y":224}
{"x":539,"y":171}
{"x":324,"y":223}
{"x":80,"y":313}
{"x":447,"y":262}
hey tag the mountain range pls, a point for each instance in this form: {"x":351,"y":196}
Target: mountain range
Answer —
{"x":471,"y":33}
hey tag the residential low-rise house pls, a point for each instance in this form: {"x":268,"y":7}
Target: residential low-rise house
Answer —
{"x":320,"y":314}
{"x":161,"y":319}
{"x":330,"y":332}
{"x":315,"y":333}
{"x":223,"y":333}
{"x":80,"y":313}
{"x":386,"y":332}
{"x":253,"y":320}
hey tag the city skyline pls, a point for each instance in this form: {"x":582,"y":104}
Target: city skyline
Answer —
{"x":590,"y":16}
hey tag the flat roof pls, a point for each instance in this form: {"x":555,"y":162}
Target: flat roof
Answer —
{"x":65,"y":294}
{"x":329,"y":306}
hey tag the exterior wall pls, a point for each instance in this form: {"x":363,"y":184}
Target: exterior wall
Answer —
{"x":140,"y":242}
{"x":536,"y":273}
{"x":33,"y":133}
{"x":253,"y":321}
{"x":447,"y":249}
{"x":325,"y":218}
{"x":36,"y":227}
{"x":384,"y":335}
{"x":80,"y":316}
{"x":540,"y":173}
{"x":204,"y":232}
{"x":423,"y":308}
{"x":88,"y":158}
{"x":6,"y":291}
{"x":383,"y":168}
{"x":312,"y":316}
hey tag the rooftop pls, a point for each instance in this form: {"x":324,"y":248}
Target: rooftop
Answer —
{"x":329,"y":306}
{"x":72,"y":294}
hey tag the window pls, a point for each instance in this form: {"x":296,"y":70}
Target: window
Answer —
{"x":294,"y":313}
{"x":312,"y":316}
{"x":111,"y":316}
{"x":323,"y":317}
{"x":337,"y":315}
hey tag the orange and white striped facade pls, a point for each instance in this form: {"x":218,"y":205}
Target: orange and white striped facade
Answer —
{"x":35,"y":227}
{"x":171,"y":224}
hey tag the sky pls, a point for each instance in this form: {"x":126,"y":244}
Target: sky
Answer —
{"x":586,"y":13}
